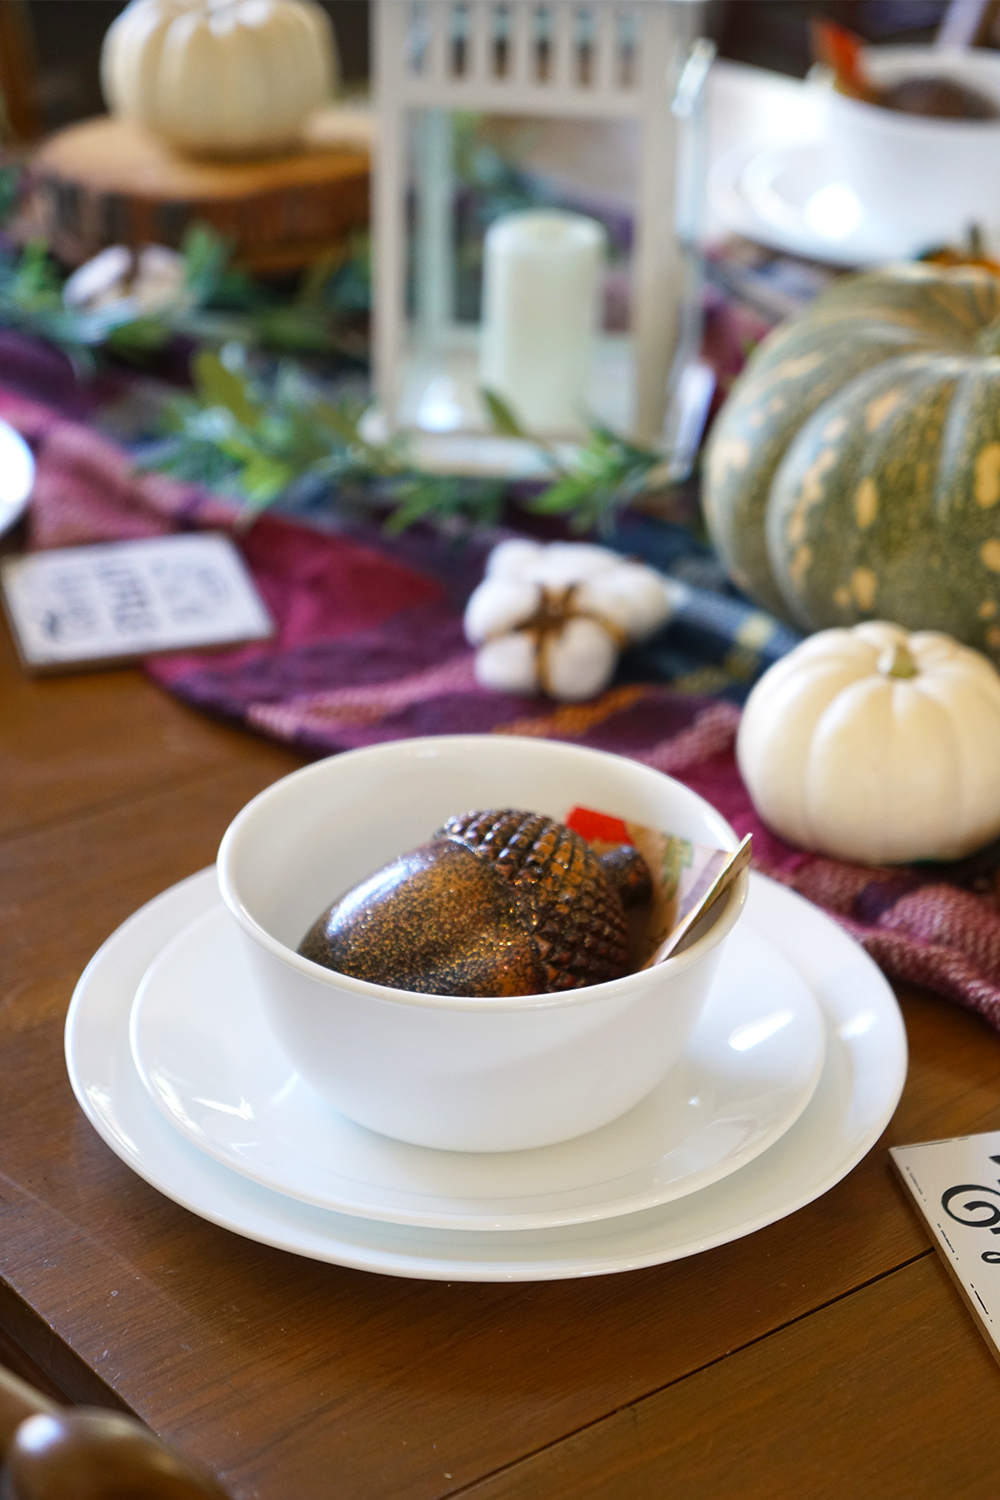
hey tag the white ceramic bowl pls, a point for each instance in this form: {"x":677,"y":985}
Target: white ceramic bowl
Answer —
{"x":933,"y":178}
{"x":457,"y":1072}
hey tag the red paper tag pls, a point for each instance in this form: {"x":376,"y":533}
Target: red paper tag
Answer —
{"x":687,"y":879}
{"x":598,"y":827}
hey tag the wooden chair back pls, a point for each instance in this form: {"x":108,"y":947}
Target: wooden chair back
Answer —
{"x":50,"y":1452}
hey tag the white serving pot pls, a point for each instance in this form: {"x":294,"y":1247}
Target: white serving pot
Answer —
{"x":933,"y":178}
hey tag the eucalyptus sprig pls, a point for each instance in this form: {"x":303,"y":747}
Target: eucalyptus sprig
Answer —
{"x":605,"y":474}
{"x":31,"y":301}
{"x":609,"y":473}
{"x":215,"y":305}
{"x":320,"y":317}
{"x":259,"y":440}
{"x":256,"y":441}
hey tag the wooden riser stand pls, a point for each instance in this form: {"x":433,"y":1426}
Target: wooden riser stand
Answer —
{"x":105,"y":181}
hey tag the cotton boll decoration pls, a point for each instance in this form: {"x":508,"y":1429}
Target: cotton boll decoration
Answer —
{"x":126,"y":281}
{"x":515,"y":558}
{"x":876,"y":745}
{"x":630,"y":594}
{"x":554,"y":619}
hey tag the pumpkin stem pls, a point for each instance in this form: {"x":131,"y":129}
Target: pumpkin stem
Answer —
{"x":896,"y":661}
{"x":988,"y":339}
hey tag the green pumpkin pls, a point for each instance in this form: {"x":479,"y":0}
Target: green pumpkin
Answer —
{"x":854,"y":471}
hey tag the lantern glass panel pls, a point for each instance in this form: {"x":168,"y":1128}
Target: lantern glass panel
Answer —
{"x":488,"y":107}
{"x":468,"y":171}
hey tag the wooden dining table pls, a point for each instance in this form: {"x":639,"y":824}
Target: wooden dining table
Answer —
{"x":826,"y":1355}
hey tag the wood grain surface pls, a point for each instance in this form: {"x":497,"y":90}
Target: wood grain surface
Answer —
{"x":826,"y":1355}
{"x":107,"y":181}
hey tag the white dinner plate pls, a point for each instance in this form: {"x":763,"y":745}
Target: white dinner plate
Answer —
{"x":206,"y":1053}
{"x":858,"y":1090}
{"x":787,"y":197}
{"x":17,"y":476}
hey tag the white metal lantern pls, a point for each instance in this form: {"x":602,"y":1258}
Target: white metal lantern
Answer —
{"x":571,"y":69}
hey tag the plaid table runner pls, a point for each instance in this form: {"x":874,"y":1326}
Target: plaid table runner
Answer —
{"x":369,"y":647}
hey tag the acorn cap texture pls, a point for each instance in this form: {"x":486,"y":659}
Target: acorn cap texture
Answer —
{"x":576,"y":916}
{"x":497,"y":903}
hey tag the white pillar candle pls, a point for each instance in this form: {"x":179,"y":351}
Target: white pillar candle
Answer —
{"x":541,"y":296}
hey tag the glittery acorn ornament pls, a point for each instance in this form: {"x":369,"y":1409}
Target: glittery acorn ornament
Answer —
{"x":497,"y":903}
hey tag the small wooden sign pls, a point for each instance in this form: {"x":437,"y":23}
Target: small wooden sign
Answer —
{"x":956,"y":1186}
{"x":78,"y":607}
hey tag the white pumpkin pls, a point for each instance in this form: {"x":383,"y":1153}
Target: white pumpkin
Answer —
{"x":219,"y":77}
{"x":554,"y":618}
{"x":874,"y":745}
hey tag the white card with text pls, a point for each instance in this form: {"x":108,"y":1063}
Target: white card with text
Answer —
{"x":116,"y":601}
{"x":956,"y":1186}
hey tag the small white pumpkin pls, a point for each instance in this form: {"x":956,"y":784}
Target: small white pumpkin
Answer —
{"x":874,"y":745}
{"x":554,"y":618}
{"x":219,"y":77}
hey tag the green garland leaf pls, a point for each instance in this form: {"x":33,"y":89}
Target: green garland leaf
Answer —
{"x":501,"y":415}
{"x":256,"y":442}
{"x":218,"y":387}
{"x":234,"y":434}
